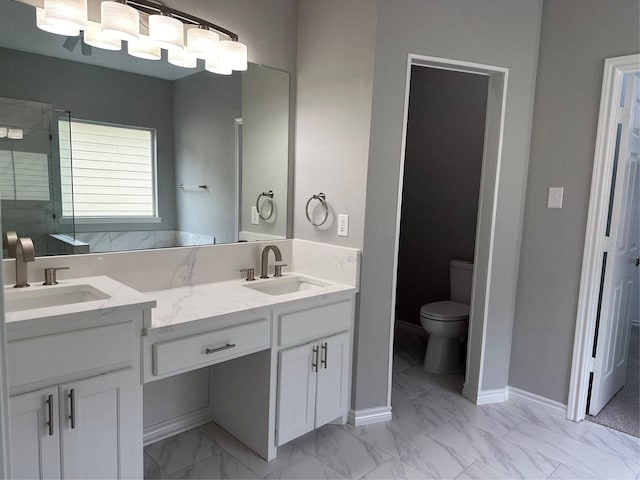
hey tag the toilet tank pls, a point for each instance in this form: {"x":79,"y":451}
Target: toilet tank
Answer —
{"x":460,"y":280}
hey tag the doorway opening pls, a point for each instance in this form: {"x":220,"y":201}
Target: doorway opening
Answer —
{"x":483,"y":254}
{"x":439,"y":209}
{"x":605,"y":374}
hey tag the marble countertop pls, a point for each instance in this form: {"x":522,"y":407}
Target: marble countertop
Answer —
{"x":198,"y":302}
{"x":45,"y":320}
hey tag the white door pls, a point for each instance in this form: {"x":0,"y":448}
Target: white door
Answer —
{"x":297,"y":372}
{"x":35,"y":441}
{"x":98,"y":433}
{"x":620,"y":279}
{"x":333,"y":379}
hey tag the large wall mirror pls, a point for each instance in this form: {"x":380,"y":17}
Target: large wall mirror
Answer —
{"x":119,"y":153}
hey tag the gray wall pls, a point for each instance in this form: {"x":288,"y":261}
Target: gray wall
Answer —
{"x":495,"y":32}
{"x":105,"y":95}
{"x":336,"y":42}
{"x":205,"y":107}
{"x":576,"y":37}
{"x":265,"y":126}
{"x":443,"y":160}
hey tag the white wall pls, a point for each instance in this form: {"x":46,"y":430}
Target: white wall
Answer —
{"x":495,"y":32}
{"x":334,"y":85}
{"x":576,"y":37}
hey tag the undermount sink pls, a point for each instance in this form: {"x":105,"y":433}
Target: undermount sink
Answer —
{"x":24,"y":299}
{"x":284,"y":285}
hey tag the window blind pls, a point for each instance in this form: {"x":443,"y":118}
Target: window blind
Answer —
{"x":113,"y":170}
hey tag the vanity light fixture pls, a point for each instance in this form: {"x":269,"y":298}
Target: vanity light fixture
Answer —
{"x":4,"y":132}
{"x":144,"y":48}
{"x":67,"y":17}
{"x":94,"y":36}
{"x":120,"y":20}
{"x":217,"y":46}
{"x":15,"y":134}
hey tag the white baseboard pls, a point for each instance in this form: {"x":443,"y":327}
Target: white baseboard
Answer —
{"x":176,"y":425}
{"x":367,"y":416}
{"x":537,"y":400}
{"x":496,"y":395}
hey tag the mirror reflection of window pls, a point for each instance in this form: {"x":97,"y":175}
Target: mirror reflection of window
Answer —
{"x":107,"y":171}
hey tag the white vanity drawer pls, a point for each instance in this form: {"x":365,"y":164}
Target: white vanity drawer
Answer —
{"x":315,"y":322}
{"x":210,"y":347}
{"x":48,"y":357}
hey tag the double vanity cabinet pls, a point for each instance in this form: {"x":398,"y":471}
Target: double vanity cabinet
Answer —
{"x":280,"y":366}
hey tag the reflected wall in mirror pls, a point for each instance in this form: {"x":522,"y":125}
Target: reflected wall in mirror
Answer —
{"x":137,"y":132}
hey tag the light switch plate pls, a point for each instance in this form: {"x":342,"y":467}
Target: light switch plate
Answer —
{"x":254,"y":216}
{"x":343,"y":225}
{"x":555,"y":197}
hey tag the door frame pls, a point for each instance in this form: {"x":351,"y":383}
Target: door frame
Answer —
{"x":486,"y":221}
{"x":582,"y":363}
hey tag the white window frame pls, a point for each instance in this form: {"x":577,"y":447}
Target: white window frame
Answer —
{"x":155,"y":218}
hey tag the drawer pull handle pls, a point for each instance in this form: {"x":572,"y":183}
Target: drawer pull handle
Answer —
{"x":314,"y":363}
{"x":209,"y":351}
{"x":50,"y":408}
{"x":324,"y":355}
{"x":72,"y":401}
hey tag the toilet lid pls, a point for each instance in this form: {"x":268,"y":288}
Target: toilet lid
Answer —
{"x":445,"y":311}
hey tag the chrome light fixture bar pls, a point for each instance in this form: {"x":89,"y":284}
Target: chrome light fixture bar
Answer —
{"x":121,"y":21}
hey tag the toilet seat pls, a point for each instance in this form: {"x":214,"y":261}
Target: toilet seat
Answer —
{"x":445,"y":311}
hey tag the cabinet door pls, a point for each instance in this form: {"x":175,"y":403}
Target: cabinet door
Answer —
{"x":296,"y":391}
{"x":333,"y":378}
{"x":35,"y":446}
{"x":98,"y":434}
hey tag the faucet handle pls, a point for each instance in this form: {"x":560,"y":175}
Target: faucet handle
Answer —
{"x":250,"y":274}
{"x":278,"y":269}
{"x":50,"y":275}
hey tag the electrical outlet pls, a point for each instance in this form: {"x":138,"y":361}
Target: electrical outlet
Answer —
{"x":254,"y":216}
{"x":343,"y":225}
{"x":554,"y":199}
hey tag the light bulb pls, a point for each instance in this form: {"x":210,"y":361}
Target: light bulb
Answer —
{"x":58,"y":29}
{"x":180,"y":58}
{"x":94,"y":36}
{"x":120,"y":20}
{"x":216,"y":65}
{"x":202,"y":43}
{"x":166,"y":32}
{"x":68,"y":15}
{"x":144,"y":48}
{"x":234,"y":54}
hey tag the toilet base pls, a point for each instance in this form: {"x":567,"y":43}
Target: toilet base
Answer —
{"x":442,"y":355}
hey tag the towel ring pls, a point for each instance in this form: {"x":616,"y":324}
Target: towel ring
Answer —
{"x":269,"y":196}
{"x":322,"y":198}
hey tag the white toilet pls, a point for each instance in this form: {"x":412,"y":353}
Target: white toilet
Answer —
{"x":447,"y":322}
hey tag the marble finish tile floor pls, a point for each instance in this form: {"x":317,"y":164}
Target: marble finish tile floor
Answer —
{"x":435,"y":433}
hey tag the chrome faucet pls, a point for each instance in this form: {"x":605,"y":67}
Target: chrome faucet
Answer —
{"x":9,"y":240}
{"x":25,"y":253}
{"x":264,"y":266}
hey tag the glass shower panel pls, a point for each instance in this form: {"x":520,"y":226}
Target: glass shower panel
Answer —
{"x":28,"y":177}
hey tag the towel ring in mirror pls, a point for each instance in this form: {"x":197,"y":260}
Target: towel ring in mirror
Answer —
{"x":322,"y":198}
{"x":269,"y":199}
